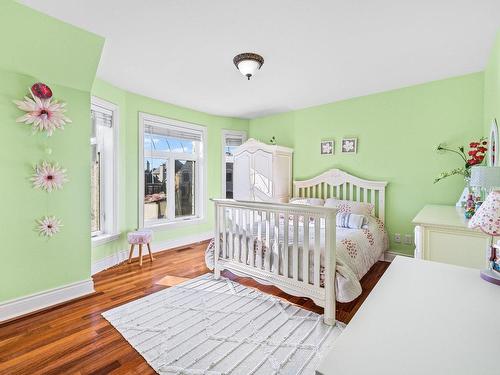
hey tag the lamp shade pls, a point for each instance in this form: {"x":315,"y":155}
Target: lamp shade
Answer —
{"x":487,"y":217}
{"x":485,"y":177}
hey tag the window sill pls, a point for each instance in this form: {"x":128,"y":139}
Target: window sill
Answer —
{"x":104,"y":238}
{"x":158,"y":226}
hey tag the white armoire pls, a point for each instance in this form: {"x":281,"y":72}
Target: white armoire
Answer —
{"x":262,"y":172}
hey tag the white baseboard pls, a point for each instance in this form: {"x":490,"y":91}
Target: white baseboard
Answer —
{"x":390,"y":255}
{"x":121,"y":255}
{"x":27,"y":304}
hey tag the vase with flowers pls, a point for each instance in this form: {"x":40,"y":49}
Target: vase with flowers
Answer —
{"x":474,"y":156}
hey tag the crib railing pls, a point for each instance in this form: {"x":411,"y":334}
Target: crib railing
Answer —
{"x":279,"y":244}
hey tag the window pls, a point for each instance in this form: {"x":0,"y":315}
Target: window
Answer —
{"x":103,"y":142}
{"x":230,"y":142}
{"x":172,"y":164}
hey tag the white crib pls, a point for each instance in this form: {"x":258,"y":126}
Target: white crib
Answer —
{"x":264,"y":240}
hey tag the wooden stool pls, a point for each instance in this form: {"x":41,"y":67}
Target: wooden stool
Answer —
{"x":140,"y":237}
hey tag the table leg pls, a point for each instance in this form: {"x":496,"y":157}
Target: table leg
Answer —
{"x":150,"y":253}
{"x":140,"y":255}
{"x":131,"y":253}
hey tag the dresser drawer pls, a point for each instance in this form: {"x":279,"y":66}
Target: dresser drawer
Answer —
{"x":442,"y":234}
{"x":466,"y":249}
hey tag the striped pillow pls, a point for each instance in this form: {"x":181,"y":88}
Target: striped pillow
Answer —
{"x":351,"y":221}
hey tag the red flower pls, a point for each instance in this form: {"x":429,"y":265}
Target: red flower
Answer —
{"x":41,"y":90}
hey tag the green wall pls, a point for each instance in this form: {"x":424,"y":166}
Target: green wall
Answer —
{"x":397,"y":132}
{"x":38,"y":48}
{"x":130,"y":105}
{"x":492,"y":87}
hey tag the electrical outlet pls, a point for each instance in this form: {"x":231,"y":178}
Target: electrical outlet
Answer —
{"x":408,"y":239}
{"x":397,"y":237}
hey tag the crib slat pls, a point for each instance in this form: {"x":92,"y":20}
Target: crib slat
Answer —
{"x":285,"y":245}
{"x":217,"y":241}
{"x":305,"y":250}
{"x":224,"y":233}
{"x":267,"y":258}
{"x":317,"y":250}
{"x":243,"y":226}
{"x":276,"y":244}
{"x":238,"y":234}
{"x":295,"y":252}
{"x":251,"y":252}
{"x":231,"y":235}
{"x":259,"y":239}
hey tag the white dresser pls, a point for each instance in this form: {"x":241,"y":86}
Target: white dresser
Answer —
{"x":262,"y":172}
{"x":442,"y":235}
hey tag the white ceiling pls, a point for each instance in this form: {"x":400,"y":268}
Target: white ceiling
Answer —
{"x":315,"y":51}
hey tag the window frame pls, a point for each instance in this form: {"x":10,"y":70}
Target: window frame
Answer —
{"x":226,"y":133}
{"x":109,"y":194}
{"x":200,"y":174}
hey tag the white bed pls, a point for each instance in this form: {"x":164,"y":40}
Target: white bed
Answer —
{"x":246,"y":231}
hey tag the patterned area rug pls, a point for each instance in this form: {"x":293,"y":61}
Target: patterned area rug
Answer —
{"x":207,"y":326}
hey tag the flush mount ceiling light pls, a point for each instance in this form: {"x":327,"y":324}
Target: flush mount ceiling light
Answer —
{"x":248,"y":63}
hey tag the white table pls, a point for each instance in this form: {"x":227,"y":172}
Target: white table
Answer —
{"x":422,"y":318}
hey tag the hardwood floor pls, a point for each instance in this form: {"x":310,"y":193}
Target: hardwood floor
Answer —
{"x":73,"y":338}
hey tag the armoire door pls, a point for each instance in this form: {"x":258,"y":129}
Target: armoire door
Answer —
{"x":263,"y":175}
{"x":242,"y":177}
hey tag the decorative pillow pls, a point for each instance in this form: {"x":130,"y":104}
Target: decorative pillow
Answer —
{"x":357,"y":208}
{"x":351,"y":221}
{"x":308,"y":201}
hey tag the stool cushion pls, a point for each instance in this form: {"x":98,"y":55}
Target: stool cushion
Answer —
{"x":140,"y":237}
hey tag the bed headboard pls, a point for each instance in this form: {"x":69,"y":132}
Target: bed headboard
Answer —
{"x":336,"y":183}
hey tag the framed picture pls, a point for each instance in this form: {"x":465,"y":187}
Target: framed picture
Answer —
{"x":327,"y":147}
{"x":349,"y":145}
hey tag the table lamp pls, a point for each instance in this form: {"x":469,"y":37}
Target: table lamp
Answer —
{"x":487,"y":218}
{"x":485,"y":178}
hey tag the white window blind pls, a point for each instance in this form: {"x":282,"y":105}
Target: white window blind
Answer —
{"x":173,"y":131}
{"x":102,"y":117}
{"x":234,"y":141}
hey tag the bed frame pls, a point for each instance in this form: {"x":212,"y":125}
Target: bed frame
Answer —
{"x":235,"y":230}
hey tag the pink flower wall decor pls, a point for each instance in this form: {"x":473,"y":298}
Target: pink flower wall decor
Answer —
{"x":49,"y":176}
{"x":48,"y":226}
{"x":44,"y":114}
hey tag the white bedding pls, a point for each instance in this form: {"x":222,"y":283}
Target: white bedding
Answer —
{"x":357,"y":251}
